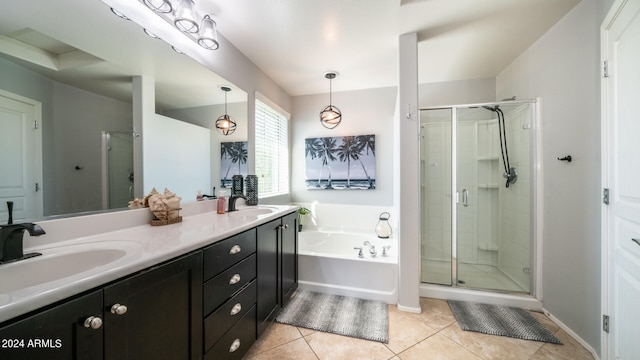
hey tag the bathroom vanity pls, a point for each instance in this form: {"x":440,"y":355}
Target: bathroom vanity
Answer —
{"x":209,"y":294}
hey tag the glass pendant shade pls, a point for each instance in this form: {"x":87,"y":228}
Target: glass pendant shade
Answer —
{"x":226,"y":125}
{"x":161,"y":6}
{"x":330,"y":116}
{"x":208,"y":37}
{"x":185,"y":19}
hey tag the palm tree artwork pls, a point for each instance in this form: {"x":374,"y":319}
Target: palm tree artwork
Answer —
{"x":346,"y":162}
{"x":233,"y":161}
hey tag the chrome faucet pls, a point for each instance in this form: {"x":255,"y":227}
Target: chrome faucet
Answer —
{"x":232,"y":201}
{"x":372,"y":248}
{"x":11,"y":241}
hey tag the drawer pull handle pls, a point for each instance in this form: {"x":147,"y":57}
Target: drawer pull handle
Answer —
{"x":234,"y":279}
{"x":234,"y":346}
{"x":637,"y":241}
{"x":235,"y":249}
{"x":236,"y":309}
{"x":118,"y":309}
{"x":93,"y":322}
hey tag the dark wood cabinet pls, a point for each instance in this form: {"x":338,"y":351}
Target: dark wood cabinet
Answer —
{"x":210,"y":304}
{"x":230,"y":296}
{"x":289,"y":257}
{"x":277,"y":252}
{"x":58,"y":332}
{"x":156,"y":314}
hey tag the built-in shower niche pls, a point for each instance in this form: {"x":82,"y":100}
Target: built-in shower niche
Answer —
{"x":488,"y":191}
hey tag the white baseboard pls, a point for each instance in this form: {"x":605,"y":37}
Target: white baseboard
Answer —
{"x":572,"y":334}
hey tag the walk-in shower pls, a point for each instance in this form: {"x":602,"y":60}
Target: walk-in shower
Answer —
{"x":117,"y":168}
{"x":477,"y":196}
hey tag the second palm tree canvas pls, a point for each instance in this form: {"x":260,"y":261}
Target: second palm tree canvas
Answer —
{"x":342,"y":162}
{"x":233,"y":161}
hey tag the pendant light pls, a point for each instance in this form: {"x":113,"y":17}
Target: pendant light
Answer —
{"x":330,"y":116}
{"x":225,"y":123}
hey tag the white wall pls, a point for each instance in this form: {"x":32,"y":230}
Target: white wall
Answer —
{"x":77,"y":122}
{"x":363,"y":112}
{"x":563,"y":68}
{"x":471,"y":91}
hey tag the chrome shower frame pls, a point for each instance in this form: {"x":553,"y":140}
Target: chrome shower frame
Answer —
{"x":535,"y":292}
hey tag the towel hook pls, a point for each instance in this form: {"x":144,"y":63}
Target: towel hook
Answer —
{"x":566,"y":158}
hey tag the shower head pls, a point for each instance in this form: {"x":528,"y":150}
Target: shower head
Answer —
{"x":494,"y":109}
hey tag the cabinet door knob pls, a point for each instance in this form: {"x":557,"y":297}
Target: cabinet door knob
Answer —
{"x":118,"y":309}
{"x":235,"y":249}
{"x":93,"y":322}
{"x":234,"y":346}
{"x":236,"y":309}
{"x":234,"y":279}
{"x":286,"y":226}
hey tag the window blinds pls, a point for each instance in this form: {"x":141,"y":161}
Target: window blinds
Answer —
{"x":272,"y":151}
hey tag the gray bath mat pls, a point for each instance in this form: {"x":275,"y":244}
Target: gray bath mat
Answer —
{"x":342,"y":315}
{"x":500,"y":320}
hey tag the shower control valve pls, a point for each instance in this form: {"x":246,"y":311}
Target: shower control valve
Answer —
{"x":360,"y":254}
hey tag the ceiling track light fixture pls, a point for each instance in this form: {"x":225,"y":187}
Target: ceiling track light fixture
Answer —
{"x":330,"y":116}
{"x":225,"y":123}
{"x":182,"y":15}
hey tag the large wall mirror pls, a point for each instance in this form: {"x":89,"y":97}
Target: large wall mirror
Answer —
{"x":70,"y":65}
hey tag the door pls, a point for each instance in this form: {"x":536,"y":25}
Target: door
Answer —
{"x":621,"y":174}
{"x":156,"y":314}
{"x":20,"y":157}
{"x":72,"y":330}
{"x":267,"y":265}
{"x":289,"y":256}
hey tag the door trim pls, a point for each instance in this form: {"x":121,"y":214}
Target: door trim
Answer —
{"x":37,"y":147}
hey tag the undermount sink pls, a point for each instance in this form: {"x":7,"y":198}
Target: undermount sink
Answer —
{"x":61,"y":262}
{"x":252,"y":211}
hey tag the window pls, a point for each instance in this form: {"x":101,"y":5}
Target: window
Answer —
{"x":272,"y":150}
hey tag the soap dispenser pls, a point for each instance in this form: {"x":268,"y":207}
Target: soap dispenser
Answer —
{"x":221,"y":202}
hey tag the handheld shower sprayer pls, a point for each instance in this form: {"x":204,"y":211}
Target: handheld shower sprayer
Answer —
{"x":510,"y":173}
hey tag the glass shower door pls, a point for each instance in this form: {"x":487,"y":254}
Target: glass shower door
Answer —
{"x":436,"y":196}
{"x":493,"y":217}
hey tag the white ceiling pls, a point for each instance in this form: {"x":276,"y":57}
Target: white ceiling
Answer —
{"x":296,"y":41}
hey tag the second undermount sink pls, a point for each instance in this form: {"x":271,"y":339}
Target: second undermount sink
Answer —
{"x":61,"y":262}
{"x":252,"y":211}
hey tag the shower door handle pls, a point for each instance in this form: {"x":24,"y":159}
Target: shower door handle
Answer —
{"x":465,"y":198}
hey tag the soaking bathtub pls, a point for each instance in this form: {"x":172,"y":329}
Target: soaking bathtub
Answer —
{"x":328,"y":262}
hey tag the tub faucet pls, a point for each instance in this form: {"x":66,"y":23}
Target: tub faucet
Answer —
{"x":385,"y":250}
{"x":232,"y":201}
{"x":359,"y":248}
{"x":372,"y":248}
{"x":11,"y":241}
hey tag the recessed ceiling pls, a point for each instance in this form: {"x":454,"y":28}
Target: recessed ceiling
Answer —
{"x":296,"y":41}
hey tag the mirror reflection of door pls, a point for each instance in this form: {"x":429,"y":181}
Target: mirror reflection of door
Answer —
{"x":118,"y":174}
{"x":20,"y":157}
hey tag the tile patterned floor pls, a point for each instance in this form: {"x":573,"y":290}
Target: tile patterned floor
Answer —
{"x":433,"y":334}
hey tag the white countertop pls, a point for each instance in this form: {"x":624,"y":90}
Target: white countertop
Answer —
{"x":147,"y":245}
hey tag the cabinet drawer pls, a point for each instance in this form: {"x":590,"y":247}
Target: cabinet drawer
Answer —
{"x":235,"y":343}
{"x":217,"y":324}
{"x":221,"y":287}
{"x":225,"y":253}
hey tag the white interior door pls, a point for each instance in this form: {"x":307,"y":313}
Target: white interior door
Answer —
{"x":621,"y":173}
{"x":20,"y":157}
